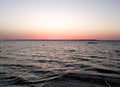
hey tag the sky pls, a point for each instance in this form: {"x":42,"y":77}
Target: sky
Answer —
{"x":60,"y":19}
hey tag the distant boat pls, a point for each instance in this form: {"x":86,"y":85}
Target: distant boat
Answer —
{"x":92,"y":42}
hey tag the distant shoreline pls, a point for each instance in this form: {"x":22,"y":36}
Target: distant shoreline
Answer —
{"x":55,"y":40}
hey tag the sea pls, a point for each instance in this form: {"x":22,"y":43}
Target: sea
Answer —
{"x":35,"y":63}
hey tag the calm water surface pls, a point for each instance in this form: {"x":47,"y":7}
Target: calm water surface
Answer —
{"x":24,"y":63}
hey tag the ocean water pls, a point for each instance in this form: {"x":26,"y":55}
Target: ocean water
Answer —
{"x":34,"y":63}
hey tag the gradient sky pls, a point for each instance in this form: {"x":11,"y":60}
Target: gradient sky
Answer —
{"x":60,"y":19}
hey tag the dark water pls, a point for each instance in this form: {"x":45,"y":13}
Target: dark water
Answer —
{"x":34,"y":63}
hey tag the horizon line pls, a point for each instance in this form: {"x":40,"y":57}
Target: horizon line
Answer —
{"x":59,"y":40}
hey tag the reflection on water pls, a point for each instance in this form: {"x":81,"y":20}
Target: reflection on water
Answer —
{"x":27,"y":63}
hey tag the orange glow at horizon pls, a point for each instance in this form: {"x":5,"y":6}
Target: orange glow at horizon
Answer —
{"x":60,"y":19}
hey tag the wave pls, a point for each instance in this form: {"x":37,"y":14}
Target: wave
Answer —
{"x":93,"y":56}
{"x":19,"y":66}
{"x":85,"y":79}
{"x":7,"y":80}
{"x":117,"y":51}
{"x":50,"y":61}
{"x":71,"y":50}
{"x":113,"y":78}
{"x":5,"y":58}
{"x":106,"y":71}
{"x":38,"y":56}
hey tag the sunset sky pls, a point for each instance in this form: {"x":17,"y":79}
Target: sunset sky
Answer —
{"x":60,"y":19}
